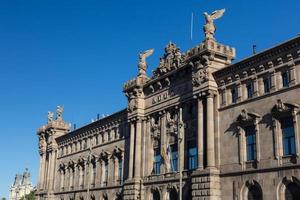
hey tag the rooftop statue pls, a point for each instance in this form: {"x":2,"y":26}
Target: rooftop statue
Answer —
{"x":209,"y":27}
{"x":59,"y":111}
{"x":50,"y":116}
{"x":142,"y":61}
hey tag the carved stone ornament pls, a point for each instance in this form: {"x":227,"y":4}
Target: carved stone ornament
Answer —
{"x":209,"y":27}
{"x":281,"y":108}
{"x":172,"y":123}
{"x":142,"y":61}
{"x":200,"y":73}
{"x":155,"y":129}
{"x":50,"y":117}
{"x":246,"y":117}
{"x":172,"y":59}
{"x":59,"y":111}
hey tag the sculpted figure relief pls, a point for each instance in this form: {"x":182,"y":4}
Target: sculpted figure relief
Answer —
{"x":209,"y":27}
{"x":142,"y":61}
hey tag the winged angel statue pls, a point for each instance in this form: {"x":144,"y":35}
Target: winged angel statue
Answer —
{"x":209,"y":27}
{"x":142,"y":61}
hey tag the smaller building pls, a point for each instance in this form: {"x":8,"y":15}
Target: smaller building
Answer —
{"x":21,"y":186}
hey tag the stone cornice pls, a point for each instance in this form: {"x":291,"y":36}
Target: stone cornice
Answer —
{"x":101,"y":125}
{"x":257,"y":59}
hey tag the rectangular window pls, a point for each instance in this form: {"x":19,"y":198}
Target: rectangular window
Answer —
{"x":157,"y":161}
{"x":267,"y":85}
{"x":251,"y":143}
{"x":174,"y":157}
{"x":234,"y":95}
{"x":288,"y":136}
{"x":120,"y":170}
{"x":192,"y":155}
{"x":106,"y":173}
{"x":250,"y":90}
{"x":285,"y":79}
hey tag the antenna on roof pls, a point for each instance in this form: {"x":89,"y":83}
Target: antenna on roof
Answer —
{"x":98,"y":116}
{"x":74,"y":126}
{"x":254,"y":49}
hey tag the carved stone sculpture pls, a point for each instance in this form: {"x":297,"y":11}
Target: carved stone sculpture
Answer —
{"x":172,"y":59}
{"x":50,"y":117}
{"x":59,"y":111}
{"x":142,"y":61}
{"x":209,"y":27}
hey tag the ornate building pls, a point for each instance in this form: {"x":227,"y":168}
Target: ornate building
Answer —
{"x":21,"y":187}
{"x":221,"y":130}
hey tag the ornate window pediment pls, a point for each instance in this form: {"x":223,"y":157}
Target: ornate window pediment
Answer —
{"x":246,"y":118}
{"x":104,"y":155}
{"x":283,"y":109}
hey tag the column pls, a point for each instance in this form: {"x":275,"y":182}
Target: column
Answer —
{"x":116,"y":175}
{"x":296,"y":129}
{"x":255,"y":87}
{"x":148,"y":158}
{"x":98,"y":174}
{"x":200,"y":133}
{"x":138,"y":151}
{"x":163,"y":138}
{"x":292,"y":71}
{"x":103,"y":178}
{"x":52,"y":170}
{"x":42,"y":170}
{"x":67,"y":178}
{"x":131,"y":151}
{"x":49,"y":164}
{"x":273,"y":81}
{"x":210,"y":134}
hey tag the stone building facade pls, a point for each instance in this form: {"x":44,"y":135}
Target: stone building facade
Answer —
{"x":21,"y":186}
{"x":232,"y":130}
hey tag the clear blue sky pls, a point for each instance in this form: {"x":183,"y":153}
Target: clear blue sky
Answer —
{"x":78,"y":53}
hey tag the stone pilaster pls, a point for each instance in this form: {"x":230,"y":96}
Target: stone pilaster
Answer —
{"x":131,"y":151}
{"x":200,"y":133}
{"x":210,"y":132}
{"x":138,"y":150}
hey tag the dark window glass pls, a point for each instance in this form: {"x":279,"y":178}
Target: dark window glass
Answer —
{"x":192,"y":155}
{"x":251,"y":143}
{"x":174,"y":157}
{"x":120,"y":170}
{"x":288,"y":136}
{"x":234,"y":95}
{"x":285,"y":79}
{"x":292,"y":192}
{"x":254,"y":193}
{"x":250,"y":90}
{"x":267,"y":85}
{"x":157,"y":161}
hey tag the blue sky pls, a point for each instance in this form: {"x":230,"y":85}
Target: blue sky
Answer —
{"x":79,"y":53}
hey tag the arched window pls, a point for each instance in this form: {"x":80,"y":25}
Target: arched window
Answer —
{"x":173,"y":195}
{"x":155,"y":195}
{"x":292,"y":192}
{"x":254,"y":193}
